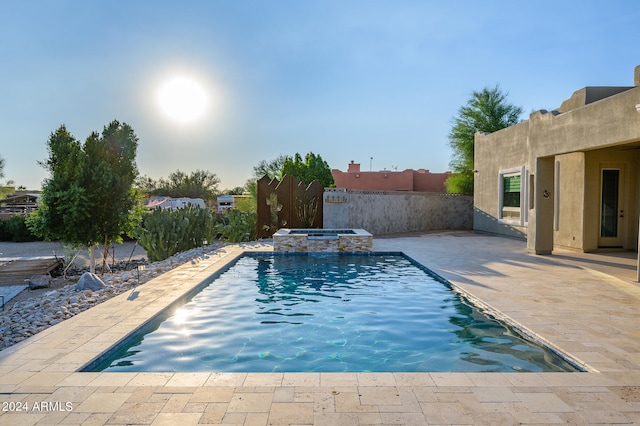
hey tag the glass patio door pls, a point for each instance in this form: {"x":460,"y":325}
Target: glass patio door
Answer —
{"x":611,"y":208}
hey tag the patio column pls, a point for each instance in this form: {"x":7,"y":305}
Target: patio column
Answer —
{"x":638,"y":262}
{"x":540,"y":230}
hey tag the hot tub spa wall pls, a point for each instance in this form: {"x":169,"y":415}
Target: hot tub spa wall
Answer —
{"x":299,"y":243}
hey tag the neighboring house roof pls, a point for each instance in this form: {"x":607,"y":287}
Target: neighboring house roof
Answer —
{"x":155,"y":202}
{"x":18,"y":197}
{"x":173,"y":203}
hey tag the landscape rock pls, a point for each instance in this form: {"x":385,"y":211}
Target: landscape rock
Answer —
{"x":39,"y":281}
{"x":31,"y":316}
{"x":89,"y":281}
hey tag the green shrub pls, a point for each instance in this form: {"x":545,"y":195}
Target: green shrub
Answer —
{"x":246,"y":204}
{"x":237,"y":226}
{"x":15,"y":229}
{"x":164,"y":233}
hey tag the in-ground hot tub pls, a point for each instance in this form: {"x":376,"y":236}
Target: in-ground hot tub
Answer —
{"x":322,"y":240}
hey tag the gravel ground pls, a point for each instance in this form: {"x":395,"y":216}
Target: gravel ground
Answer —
{"x":34,"y":311}
{"x":129,"y":250}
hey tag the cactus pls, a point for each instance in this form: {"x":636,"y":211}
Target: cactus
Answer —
{"x":306,"y":208}
{"x":237,"y":226}
{"x":164,"y":233}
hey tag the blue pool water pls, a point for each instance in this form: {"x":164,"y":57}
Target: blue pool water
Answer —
{"x":334,"y":313}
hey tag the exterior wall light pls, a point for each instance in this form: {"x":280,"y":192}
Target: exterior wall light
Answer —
{"x":638,"y":107}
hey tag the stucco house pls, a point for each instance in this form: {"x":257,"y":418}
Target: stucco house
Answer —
{"x":568,"y":177}
{"x":420,"y":180}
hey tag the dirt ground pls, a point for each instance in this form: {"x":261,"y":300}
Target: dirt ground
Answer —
{"x":125,"y":252}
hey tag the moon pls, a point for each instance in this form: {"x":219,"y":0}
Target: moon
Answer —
{"x":183,"y":99}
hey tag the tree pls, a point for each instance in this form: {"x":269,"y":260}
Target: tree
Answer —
{"x":89,"y":198}
{"x":110,"y":171}
{"x":486,"y":111}
{"x":7,"y":183}
{"x":63,"y":204}
{"x":146,"y":184}
{"x":313,"y":167}
{"x":270,"y":168}
{"x":199,"y":184}
{"x":238,"y":190}
{"x":5,"y":190}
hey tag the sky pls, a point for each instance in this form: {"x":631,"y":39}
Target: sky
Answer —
{"x":376,"y":82}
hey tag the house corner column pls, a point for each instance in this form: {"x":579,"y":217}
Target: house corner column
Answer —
{"x":540,"y":230}
{"x":638,"y":261}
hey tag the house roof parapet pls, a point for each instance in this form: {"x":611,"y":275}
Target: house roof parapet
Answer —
{"x":589,"y":95}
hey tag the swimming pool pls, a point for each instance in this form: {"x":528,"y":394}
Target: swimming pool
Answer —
{"x":331,"y":313}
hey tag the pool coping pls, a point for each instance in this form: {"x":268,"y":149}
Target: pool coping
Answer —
{"x":46,"y":365}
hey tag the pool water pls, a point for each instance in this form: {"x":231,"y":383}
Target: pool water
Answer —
{"x":328,"y":313}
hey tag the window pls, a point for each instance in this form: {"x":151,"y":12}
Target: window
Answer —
{"x":512,"y":195}
{"x":511,"y":191}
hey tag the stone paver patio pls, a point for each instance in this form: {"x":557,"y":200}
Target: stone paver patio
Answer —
{"x":580,"y":304}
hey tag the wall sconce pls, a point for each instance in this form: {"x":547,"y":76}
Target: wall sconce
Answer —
{"x":638,"y":107}
{"x":357,"y":175}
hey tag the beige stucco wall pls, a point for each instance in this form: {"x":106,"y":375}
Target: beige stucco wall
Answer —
{"x":569,"y":217}
{"x":498,"y":151}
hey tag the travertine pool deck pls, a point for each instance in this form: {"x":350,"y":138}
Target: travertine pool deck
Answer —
{"x":583,"y":305}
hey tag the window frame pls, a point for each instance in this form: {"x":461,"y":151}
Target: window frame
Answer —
{"x":523,"y":172}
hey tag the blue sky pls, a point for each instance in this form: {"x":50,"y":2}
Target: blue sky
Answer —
{"x":346,"y":80}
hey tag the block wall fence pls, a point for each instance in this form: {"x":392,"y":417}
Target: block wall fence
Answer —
{"x":390,"y":212}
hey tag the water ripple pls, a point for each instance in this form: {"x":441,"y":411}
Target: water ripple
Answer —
{"x":329,"y":313}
